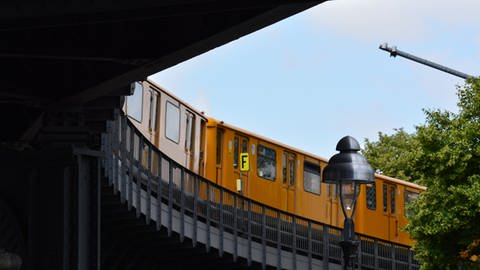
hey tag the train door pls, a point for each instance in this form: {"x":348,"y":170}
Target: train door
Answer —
{"x":189,"y":144}
{"x":240,"y":146}
{"x":334,"y":211}
{"x":288,"y":182}
{"x":201,"y":158}
{"x":219,"y":156}
{"x":390,"y":210}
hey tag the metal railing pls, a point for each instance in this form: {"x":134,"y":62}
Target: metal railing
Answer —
{"x":182,"y":201}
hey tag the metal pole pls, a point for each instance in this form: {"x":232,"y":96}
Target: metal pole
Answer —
{"x":394,"y":52}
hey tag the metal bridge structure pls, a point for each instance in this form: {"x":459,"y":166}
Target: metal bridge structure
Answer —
{"x":169,"y":197}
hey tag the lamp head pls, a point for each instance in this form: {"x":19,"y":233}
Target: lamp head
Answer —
{"x":348,"y":166}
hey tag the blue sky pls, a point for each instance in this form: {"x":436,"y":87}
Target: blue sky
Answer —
{"x":315,"y":77}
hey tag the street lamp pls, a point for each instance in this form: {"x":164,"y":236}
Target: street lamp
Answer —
{"x":348,"y":169}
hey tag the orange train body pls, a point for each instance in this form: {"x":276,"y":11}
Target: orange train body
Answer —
{"x":265,"y":170}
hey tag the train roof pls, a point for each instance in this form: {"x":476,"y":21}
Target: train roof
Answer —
{"x":263,"y":138}
{"x":167,"y":92}
{"x":322,"y":159}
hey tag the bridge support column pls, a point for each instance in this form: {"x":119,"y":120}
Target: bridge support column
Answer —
{"x":54,"y":195}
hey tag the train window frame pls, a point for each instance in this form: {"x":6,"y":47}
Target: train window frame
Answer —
{"x":172,"y":127}
{"x":407,"y":212}
{"x":371,"y":191}
{"x":311,"y":169}
{"x":262,"y":157}
{"x":133,"y":110}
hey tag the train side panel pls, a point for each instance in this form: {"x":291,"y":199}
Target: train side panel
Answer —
{"x":172,"y":126}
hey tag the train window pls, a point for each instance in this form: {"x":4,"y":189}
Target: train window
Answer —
{"x":189,"y":131}
{"x":292,"y":172}
{"x":385,"y":199}
{"x":134,"y":102}
{"x":284,"y":168}
{"x":371,"y":197}
{"x":311,"y":177}
{"x":244,"y":146}
{"x":266,"y":162}
{"x":409,"y":196}
{"x":152,"y":121}
{"x":235,"y":152}
{"x":392,"y":199}
{"x":172,"y":130}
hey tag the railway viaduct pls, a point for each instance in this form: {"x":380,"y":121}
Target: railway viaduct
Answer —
{"x":65,"y":69}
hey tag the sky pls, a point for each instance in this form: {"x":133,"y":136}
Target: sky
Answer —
{"x":315,"y":77}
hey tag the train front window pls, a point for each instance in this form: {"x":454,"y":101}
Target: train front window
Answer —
{"x":409,"y":196}
{"x":311,"y":178}
{"x":134,"y":102}
{"x":266,"y":162}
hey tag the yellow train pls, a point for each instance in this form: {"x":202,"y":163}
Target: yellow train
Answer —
{"x":264,"y":170}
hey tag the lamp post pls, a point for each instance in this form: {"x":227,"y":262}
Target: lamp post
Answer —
{"x":348,"y":170}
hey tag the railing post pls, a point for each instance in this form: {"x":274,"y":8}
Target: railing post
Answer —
{"x":235,"y":230}
{"x":359,"y":254}
{"x":123,"y":158}
{"x":195,"y":210}
{"x":149,"y":186}
{"x":410,"y":260}
{"x":220,"y":225}
{"x":159,"y":192}
{"x":170,"y":197}
{"x":326,"y":246}
{"x":264,"y":238}
{"x":309,"y":245}
{"x":182,"y":204}
{"x":108,"y":153}
{"x":279,"y":240}
{"x":207,"y":246}
{"x":115,"y":155}
{"x":394,"y":265}
{"x":139,"y":177}
{"x":375,"y":252}
{"x":132,"y":162}
{"x":294,"y":244}
{"x":249,"y":230}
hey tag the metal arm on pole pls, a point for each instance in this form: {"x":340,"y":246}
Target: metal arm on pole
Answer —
{"x":394,"y":52}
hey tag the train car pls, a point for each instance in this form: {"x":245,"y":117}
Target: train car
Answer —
{"x":290,"y":179}
{"x":173,"y":126}
{"x":262,"y":169}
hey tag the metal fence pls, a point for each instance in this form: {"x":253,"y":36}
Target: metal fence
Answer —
{"x":182,"y":201}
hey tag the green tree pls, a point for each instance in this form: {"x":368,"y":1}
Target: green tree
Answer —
{"x":395,"y":155}
{"x":444,"y":155}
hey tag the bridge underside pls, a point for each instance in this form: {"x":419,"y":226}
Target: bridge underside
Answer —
{"x":68,"y":54}
{"x":66,"y":66}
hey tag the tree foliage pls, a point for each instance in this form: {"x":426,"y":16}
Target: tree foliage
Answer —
{"x":444,"y":155}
